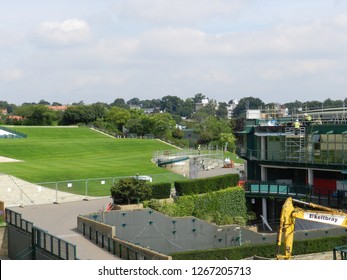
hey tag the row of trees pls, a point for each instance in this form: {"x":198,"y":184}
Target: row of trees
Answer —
{"x":210,"y":122}
{"x":186,"y":108}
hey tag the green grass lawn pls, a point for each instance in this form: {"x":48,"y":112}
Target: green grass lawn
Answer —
{"x":62,"y":154}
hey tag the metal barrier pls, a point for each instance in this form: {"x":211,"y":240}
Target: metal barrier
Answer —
{"x":40,"y":239}
{"x":340,"y":253}
{"x":337,"y":199}
{"x":54,"y":245}
{"x":84,"y":189}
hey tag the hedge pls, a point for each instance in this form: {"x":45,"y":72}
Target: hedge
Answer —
{"x":161,"y":190}
{"x":300,"y":247}
{"x":205,"y":185}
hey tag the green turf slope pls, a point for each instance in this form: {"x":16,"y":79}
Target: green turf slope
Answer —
{"x":57,"y":154}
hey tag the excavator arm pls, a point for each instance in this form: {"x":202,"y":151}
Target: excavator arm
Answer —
{"x":289,"y":214}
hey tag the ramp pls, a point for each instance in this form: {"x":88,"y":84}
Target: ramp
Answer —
{"x":170,"y":161}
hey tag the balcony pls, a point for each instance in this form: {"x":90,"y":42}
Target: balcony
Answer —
{"x":301,"y":155}
{"x":315,"y":194}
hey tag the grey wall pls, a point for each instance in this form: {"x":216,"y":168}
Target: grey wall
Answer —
{"x":164,"y":234}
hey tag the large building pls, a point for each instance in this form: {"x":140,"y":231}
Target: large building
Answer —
{"x":309,"y":160}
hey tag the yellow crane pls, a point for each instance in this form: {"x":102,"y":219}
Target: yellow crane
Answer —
{"x":290,"y":212}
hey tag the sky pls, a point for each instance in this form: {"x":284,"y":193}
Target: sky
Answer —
{"x":97,"y":51}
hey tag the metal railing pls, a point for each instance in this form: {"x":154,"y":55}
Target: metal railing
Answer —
{"x":24,"y":193}
{"x":312,"y":157}
{"x":333,"y":198}
{"x":40,"y":239}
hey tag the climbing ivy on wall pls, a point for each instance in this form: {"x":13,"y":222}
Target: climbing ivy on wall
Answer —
{"x":221,"y":207}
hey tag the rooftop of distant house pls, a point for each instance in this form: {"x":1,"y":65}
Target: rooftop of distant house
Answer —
{"x":58,"y":108}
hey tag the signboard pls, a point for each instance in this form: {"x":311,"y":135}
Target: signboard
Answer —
{"x":336,"y":220}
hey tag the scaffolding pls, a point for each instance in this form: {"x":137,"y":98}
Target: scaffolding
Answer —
{"x":295,"y":144}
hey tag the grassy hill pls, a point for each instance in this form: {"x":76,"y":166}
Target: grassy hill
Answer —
{"x":58,"y":153}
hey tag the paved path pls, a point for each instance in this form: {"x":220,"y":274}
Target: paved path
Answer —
{"x":61,"y":221}
{"x":220,"y":171}
{"x":16,"y":192}
{"x":37,"y":205}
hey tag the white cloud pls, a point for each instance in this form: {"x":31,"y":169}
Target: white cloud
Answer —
{"x":10,"y":75}
{"x":177,"y":11}
{"x":63,"y":33}
{"x":10,"y":39}
{"x":311,"y":67}
{"x":341,"y":20}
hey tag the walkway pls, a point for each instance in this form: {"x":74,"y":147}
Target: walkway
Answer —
{"x":16,"y":192}
{"x":61,"y":221}
{"x":36,"y":204}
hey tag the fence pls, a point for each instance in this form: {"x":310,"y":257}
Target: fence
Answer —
{"x":15,"y":191}
{"x":29,"y":242}
{"x":85,"y":189}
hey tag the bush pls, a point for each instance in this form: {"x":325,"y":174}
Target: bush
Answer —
{"x":205,"y":185}
{"x":130,"y":190}
{"x":308,"y":246}
{"x":160,"y":190}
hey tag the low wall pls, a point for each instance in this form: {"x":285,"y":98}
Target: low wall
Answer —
{"x":128,"y":207}
{"x":105,"y":236}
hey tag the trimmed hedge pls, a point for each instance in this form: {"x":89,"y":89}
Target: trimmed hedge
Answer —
{"x":160,"y":190}
{"x":205,"y":185}
{"x":300,"y":247}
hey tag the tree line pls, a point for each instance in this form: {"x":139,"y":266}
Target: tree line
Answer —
{"x":133,"y":117}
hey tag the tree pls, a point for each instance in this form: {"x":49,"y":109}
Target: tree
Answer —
{"x":130,"y":190}
{"x":177,"y":133}
{"x":163,"y":125}
{"x":171,"y":104}
{"x":134,"y":101}
{"x":228,"y":140}
{"x":210,"y":129}
{"x":154,"y":103}
{"x":293,"y":107}
{"x":187,"y":108}
{"x":44,"y":102}
{"x":247,"y":103}
{"x":120,"y":102}
{"x":119,"y":116}
{"x":198,"y":98}
{"x":82,"y":114}
{"x":222,"y":111}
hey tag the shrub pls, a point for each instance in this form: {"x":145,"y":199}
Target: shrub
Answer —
{"x":130,"y":190}
{"x":205,"y":185}
{"x":300,"y":247}
{"x":160,"y":190}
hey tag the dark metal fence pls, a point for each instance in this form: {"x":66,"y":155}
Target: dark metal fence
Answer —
{"x":41,"y":239}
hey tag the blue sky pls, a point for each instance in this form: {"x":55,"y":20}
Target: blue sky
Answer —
{"x":68,"y":51}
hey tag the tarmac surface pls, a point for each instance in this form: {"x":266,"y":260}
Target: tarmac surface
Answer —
{"x":37,"y":206}
{"x":61,"y":221}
